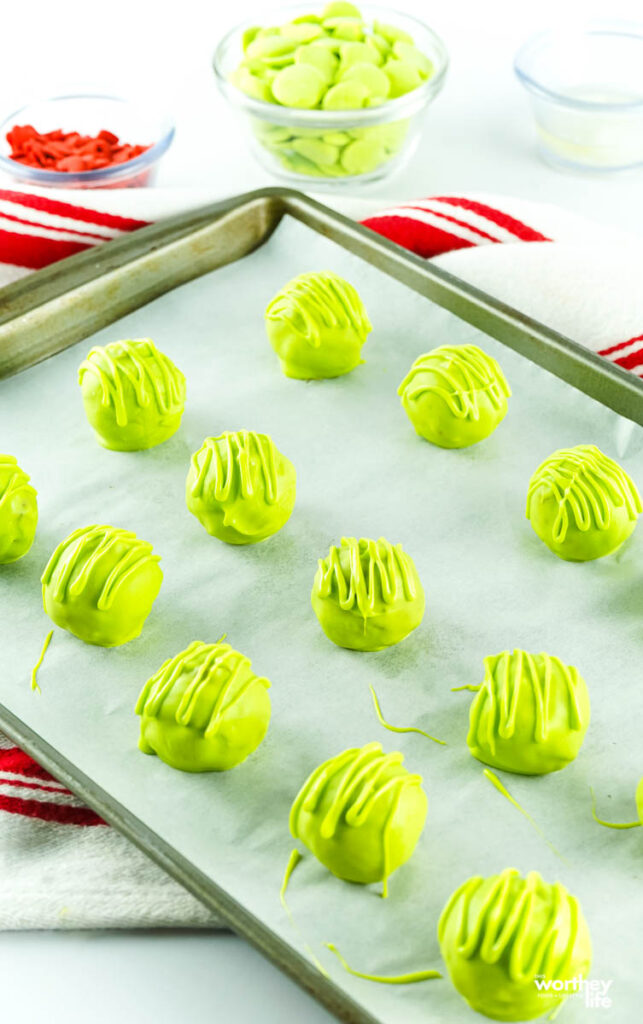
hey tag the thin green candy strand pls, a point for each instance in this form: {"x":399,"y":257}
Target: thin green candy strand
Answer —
{"x":611,"y":824}
{"x":400,"y":728}
{"x":34,"y":671}
{"x":383,"y":979}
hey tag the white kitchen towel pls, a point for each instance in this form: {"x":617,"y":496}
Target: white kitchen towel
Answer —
{"x":60,"y":865}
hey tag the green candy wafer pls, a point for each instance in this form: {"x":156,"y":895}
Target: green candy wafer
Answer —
{"x":302,"y":32}
{"x":391,"y":33}
{"x":409,"y":54}
{"x":341,"y":10}
{"x":320,"y":57}
{"x":402,"y":76}
{"x":370,"y":76}
{"x":363,"y":156}
{"x":357,"y":53}
{"x":317,"y":151}
{"x":346,"y":96}
{"x":349,"y":29}
{"x":299,"y":85}
{"x":269,"y":46}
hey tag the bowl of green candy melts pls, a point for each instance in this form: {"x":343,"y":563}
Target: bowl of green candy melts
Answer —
{"x":334,"y":93}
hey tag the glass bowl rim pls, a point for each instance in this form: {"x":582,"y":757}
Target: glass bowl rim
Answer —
{"x":394,"y":109}
{"x":130,"y":168}
{"x":630,"y":29}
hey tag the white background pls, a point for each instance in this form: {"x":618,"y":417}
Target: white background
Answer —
{"x":478,"y":137}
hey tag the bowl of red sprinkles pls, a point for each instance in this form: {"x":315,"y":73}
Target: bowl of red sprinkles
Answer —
{"x":84,"y":142}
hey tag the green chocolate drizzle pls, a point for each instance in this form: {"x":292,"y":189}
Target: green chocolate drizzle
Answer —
{"x":509,"y":924}
{"x":214,"y":671}
{"x":34,"y":671}
{"x":357,"y":772}
{"x":399,"y":728}
{"x":238,"y":462}
{"x":153,"y":376}
{"x":612,"y":824}
{"x":384,"y":979}
{"x":462,"y":373}
{"x":312,"y":302}
{"x":587,"y":486}
{"x":494,"y":709}
{"x":378,"y":571}
{"x":13,"y":479}
{"x":79,"y":554}
{"x":293,"y":861}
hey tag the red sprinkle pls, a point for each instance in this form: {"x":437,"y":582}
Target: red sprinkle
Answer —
{"x":71,"y":151}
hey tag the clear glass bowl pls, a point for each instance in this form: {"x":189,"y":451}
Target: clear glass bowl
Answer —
{"x":280,"y":136}
{"x":133,"y":123}
{"x":585,"y":85}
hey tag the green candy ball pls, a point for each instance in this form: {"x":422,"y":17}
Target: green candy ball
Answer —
{"x":530,"y":715}
{"x":133,"y":394}
{"x":100,"y":584}
{"x":240,"y":487}
{"x":18,"y":511}
{"x":455,"y":395}
{"x":499,"y":935}
{"x":582,"y":504}
{"x":367,"y":594}
{"x":361,"y":814}
{"x":204,"y":710}
{"x":317,"y":325}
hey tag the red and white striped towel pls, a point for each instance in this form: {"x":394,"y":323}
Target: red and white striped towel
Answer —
{"x":63,"y":867}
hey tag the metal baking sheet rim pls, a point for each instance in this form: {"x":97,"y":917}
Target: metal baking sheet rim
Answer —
{"x":192,"y":245}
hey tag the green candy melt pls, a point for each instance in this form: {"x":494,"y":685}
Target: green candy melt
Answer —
{"x":403,"y":77}
{"x":358,"y":53}
{"x":346,"y":96}
{"x":371,"y":77}
{"x":344,"y":28}
{"x":411,"y":56}
{"x":319,"y":57}
{"x":363,"y":155}
{"x":321,"y":153}
{"x":300,"y":85}
{"x":341,"y":10}
{"x":269,"y":46}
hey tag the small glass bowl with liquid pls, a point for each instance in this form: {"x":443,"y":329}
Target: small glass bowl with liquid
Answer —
{"x":585,"y":85}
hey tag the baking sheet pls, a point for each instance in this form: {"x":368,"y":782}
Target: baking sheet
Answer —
{"x":490,"y":584}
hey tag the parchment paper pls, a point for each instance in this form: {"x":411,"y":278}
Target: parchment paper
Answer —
{"x":490,"y":585}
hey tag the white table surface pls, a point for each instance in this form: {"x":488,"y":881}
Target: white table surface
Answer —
{"x":479,"y":137}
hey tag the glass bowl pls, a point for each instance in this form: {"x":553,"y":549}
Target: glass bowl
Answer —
{"x":284,"y":139}
{"x":585,"y":85}
{"x":133,"y":123}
